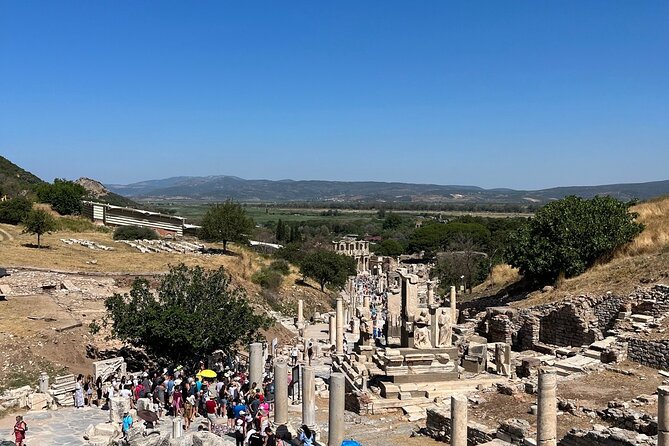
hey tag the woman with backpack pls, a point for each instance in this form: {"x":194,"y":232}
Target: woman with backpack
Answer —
{"x":20,"y":429}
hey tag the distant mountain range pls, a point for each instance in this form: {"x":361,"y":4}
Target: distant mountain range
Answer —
{"x":218,"y":188}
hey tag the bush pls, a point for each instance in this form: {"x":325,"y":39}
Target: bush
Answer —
{"x":63,"y":195}
{"x":14,"y":211}
{"x":268,"y":278}
{"x":569,"y":235}
{"x":281,"y":266}
{"x":135,"y":233}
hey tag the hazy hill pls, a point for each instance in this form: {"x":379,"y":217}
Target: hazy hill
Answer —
{"x":98,"y":192}
{"x":216,"y":188}
{"x":15,"y":181}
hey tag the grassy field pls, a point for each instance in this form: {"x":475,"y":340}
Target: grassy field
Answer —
{"x":194,"y":211}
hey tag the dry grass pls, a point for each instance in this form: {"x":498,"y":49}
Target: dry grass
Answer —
{"x":500,"y":277}
{"x":654,"y":215}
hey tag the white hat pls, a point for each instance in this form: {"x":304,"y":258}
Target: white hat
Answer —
{"x":239,"y":421}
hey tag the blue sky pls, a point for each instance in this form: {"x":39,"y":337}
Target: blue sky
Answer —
{"x":521,"y":94}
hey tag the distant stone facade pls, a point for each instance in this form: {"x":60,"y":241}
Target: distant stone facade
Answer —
{"x":358,"y":249}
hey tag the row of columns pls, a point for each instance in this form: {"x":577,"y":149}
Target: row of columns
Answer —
{"x":337,"y":400}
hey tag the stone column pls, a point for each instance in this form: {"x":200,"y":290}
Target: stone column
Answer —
{"x":340,"y":326}
{"x":308,"y":397}
{"x":365,"y":301}
{"x":333,"y":330}
{"x":430,"y":293}
{"x":547,"y":408}
{"x":459,"y":420}
{"x":454,"y":311}
{"x":255,"y":363}
{"x":336,"y":412}
{"x":280,"y":393}
{"x":306,"y":349}
{"x":300,"y":312}
{"x":663,"y":416}
{"x":177,"y":427}
{"x":43,"y":382}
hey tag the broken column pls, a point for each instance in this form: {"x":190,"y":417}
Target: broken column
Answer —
{"x":340,"y":326}
{"x":336,"y":412}
{"x":43,"y":382}
{"x":300,"y":312}
{"x":430,"y":293}
{"x":280,"y":393}
{"x":177,"y":428}
{"x":333,"y":330}
{"x":663,"y":416}
{"x":547,"y":408}
{"x":255,"y":363}
{"x":308,"y":397}
{"x":454,"y":310}
{"x":458,"y":420}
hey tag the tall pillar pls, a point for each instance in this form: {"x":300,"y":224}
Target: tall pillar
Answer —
{"x":340,"y":326}
{"x":308,"y":397}
{"x":547,"y":408}
{"x":336,"y":413}
{"x":177,"y":427}
{"x":280,"y":393}
{"x":44,"y":382}
{"x":333,"y":330}
{"x":454,"y":310}
{"x":430,"y":293}
{"x":458,"y":420}
{"x":300,"y":311}
{"x":255,"y":363}
{"x":663,"y":416}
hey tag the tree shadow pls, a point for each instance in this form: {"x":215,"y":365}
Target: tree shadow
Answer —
{"x":32,"y":245}
{"x":513,"y":292}
{"x":221,"y":252}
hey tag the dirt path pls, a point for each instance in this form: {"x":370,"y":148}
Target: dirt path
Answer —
{"x":4,"y":235}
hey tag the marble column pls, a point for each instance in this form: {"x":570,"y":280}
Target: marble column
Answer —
{"x":308,"y":397}
{"x":663,"y":416}
{"x":459,"y":420}
{"x":340,"y":326}
{"x":333,"y":330}
{"x":300,"y":311}
{"x":454,"y":311}
{"x":256,"y":365}
{"x":280,"y":393}
{"x":44,"y":382}
{"x":336,"y":412}
{"x":430,"y":293}
{"x":177,"y":427}
{"x":547,"y":408}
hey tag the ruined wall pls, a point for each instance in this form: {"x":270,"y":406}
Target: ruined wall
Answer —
{"x":608,"y":437}
{"x":607,"y":312}
{"x":439,"y":427}
{"x":569,"y":325}
{"x":651,"y":353}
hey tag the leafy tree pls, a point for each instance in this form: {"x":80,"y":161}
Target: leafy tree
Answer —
{"x":14,"y":211}
{"x":433,"y":236}
{"x":280,"y":231}
{"x":135,"y":233}
{"x":39,"y":221}
{"x":461,"y":262}
{"x":392,"y":221}
{"x":389,"y":247}
{"x":569,"y":235}
{"x":328,"y":267}
{"x":63,"y":195}
{"x":194,"y":313}
{"x":226,"y":222}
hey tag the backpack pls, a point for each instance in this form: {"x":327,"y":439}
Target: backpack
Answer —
{"x":350,"y":443}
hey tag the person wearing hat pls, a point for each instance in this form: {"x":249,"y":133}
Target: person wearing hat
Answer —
{"x":239,"y":432}
{"x":127,"y":423}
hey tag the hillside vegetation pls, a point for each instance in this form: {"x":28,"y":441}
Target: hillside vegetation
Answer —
{"x":15,"y":181}
{"x":644,"y":260}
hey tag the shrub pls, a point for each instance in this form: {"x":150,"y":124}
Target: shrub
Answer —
{"x":268,"y":278}
{"x":14,"y":211}
{"x":79,"y":224}
{"x":281,"y":266}
{"x":63,"y":195}
{"x":135,"y":233}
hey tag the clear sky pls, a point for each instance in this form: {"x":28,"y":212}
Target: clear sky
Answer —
{"x":522,"y":94}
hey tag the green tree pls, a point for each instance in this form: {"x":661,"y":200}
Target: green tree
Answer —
{"x":40,"y":222}
{"x":63,"y":195}
{"x":328,"y":268}
{"x":14,"y":211}
{"x":389,"y":247}
{"x":194,"y":313}
{"x":433,"y":236}
{"x":280,"y":234}
{"x":569,"y":235}
{"x":226,"y":222}
{"x":392,"y":221}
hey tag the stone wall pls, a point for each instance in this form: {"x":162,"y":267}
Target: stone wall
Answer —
{"x":573,"y":324}
{"x":609,"y":437}
{"x":651,"y":353}
{"x":438,"y":426}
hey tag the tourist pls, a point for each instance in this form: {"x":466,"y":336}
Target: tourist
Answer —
{"x":127,"y":423}
{"x":79,"y":392}
{"x":306,"y":436}
{"x":88,"y":388}
{"x":253,"y":437}
{"x":177,"y":402}
{"x":310,"y":352}
{"x":20,"y":429}
{"x":127,"y":393}
{"x":98,"y":389}
{"x":239,"y":433}
{"x":270,"y":438}
{"x":211,"y":407}
{"x":293,"y":355}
